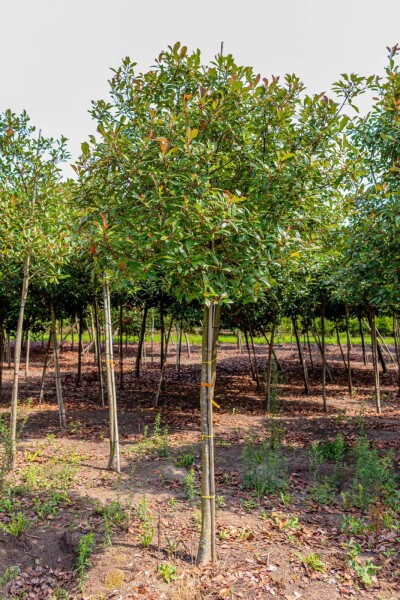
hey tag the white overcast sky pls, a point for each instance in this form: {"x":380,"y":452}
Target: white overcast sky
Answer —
{"x":55,"y":55}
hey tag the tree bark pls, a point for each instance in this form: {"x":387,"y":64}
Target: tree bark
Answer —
{"x":362,"y":340}
{"x":141,"y":340}
{"x":80,"y":349}
{"x":207,"y":549}
{"x":2,"y":348}
{"x":99,"y":361}
{"x":339,"y":344}
{"x":112,"y":396}
{"x":323,"y":357}
{"x":269,"y":365}
{"x":27,"y":352}
{"x":17,"y":360}
{"x":163,"y":366}
{"x":45,"y":365}
{"x":255,"y":357}
{"x":301,"y":356}
{"x":121,"y":357}
{"x":374,"y":346}
{"x":349,"y":376}
{"x":56,"y":351}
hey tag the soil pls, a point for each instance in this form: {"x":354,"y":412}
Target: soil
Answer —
{"x":63,"y":489}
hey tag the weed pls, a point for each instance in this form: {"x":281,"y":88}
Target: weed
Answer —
{"x":312,"y":562}
{"x":249,"y":505}
{"x":286,"y":498}
{"x":352,"y":525}
{"x":163,"y":449}
{"x":17,"y":526}
{"x":9,"y":574}
{"x":219,"y":502}
{"x":172,"y":503}
{"x":157,"y":426}
{"x":364,"y":571}
{"x":147,"y":534}
{"x":324,"y":493}
{"x":167,"y":572}
{"x":115,"y":514}
{"x":142,"y":509}
{"x":49,"y":507}
{"x":185,"y":460}
{"x":264,"y":468}
{"x":172,"y":545}
{"x":188,"y":485}
{"x":85,"y":550}
{"x":226,"y":479}
{"x":244,"y":534}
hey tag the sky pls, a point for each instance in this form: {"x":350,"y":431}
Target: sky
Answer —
{"x":56,"y":55}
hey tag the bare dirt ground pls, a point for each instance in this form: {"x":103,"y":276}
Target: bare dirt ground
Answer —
{"x":290,"y":544}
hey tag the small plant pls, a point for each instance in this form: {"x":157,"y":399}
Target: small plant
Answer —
{"x":188,"y":485}
{"x":219,"y":502}
{"x":9,"y":575}
{"x":172,"y":503}
{"x":244,"y":534}
{"x":323,"y":494}
{"x":17,"y":526}
{"x":364,"y":571}
{"x":185,"y":460}
{"x":172,"y":545}
{"x":264,"y":468}
{"x":312,"y":562}
{"x":286,"y":498}
{"x":352,"y":525}
{"x":226,"y":479}
{"x":164,"y":450}
{"x":157,"y":426}
{"x":147,"y":534}
{"x":167,"y":572}
{"x":85,"y":550}
{"x":224,"y":534}
{"x":249,"y":505}
{"x":142,"y":509}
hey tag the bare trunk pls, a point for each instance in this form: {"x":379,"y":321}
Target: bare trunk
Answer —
{"x":207,"y":549}
{"x":253,"y":373}
{"x":80,"y":349}
{"x":319,"y":345}
{"x":269,"y":365}
{"x":323,"y":357}
{"x":349,"y":376}
{"x":99,"y":361}
{"x":187,"y":344}
{"x":45,"y":365}
{"x":141,"y":340}
{"x":301,"y":356}
{"x":362,"y":340}
{"x":339,"y":344}
{"x":255,"y":356}
{"x":57,"y":372}
{"x":17,"y":359}
{"x":163,"y":366}
{"x":112,"y":396}
{"x":27,"y":352}
{"x":374,"y":346}
{"x":309,"y":350}
{"x":2,"y":345}
{"x":121,"y":356}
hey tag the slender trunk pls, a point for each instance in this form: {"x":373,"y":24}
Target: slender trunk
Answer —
{"x":121,"y":357}
{"x":269,"y":364}
{"x":301,"y":356}
{"x":309,"y":350}
{"x":56,"y":351}
{"x":72,"y":339}
{"x":374,"y":346}
{"x":2,"y":345}
{"x":17,"y":359}
{"x":163,"y":366}
{"x":362,"y":340}
{"x":323,"y":357}
{"x":278,"y":364}
{"x":339,"y":344}
{"x":178,"y":355}
{"x":207,"y":550}
{"x":80,"y":349}
{"x":187,"y":344}
{"x":253,"y":373}
{"x":380,"y":356}
{"x":162,"y":331}
{"x":27,"y":352}
{"x":141,"y":340}
{"x":99,"y":361}
{"x":60,"y":345}
{"x":349,"y":376}
{"x":397,"y":346}
{"x":239,"y":340}
{"x":93,"y":329}
{"x":112,"y":396}
{"x":152,"y":336}
{"x":319,"y":345}
{"x":255,"y":357}
{"x":45,"y":365}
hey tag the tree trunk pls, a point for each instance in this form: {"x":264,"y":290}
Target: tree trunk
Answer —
{"x":2,"y":347}
{"x":318,"y":342}
{"x":253,"y":373}
{"x":80,"y":349}
{"x":301,"y":356}
{"x":255,"y":357}
{"x":45,"y":365}
{"x":187,"y":344}
{"x":27,"y":352}
{"x":323,"y":357}
{"x":163,"y":366}
{"x":397,"y":346}
{"x":339,"y":343}
{"x":112,"y":396}
{"x":349,"y":377}
{"x":17,"y":359}
{"x":207,"y":550}
{"x":162,"y":332}
{"x":98,"y":344}
{"x":56,"y":351}
{"x":374,"y":346}
{"x":141,"y":340}
{"x":269,"y":365}
{"x":121,"y":357}
{"x":152,"y":336}
{"x":362,"y":340}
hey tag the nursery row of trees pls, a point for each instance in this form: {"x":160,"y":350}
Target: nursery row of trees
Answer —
{"x":210,"y":189}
